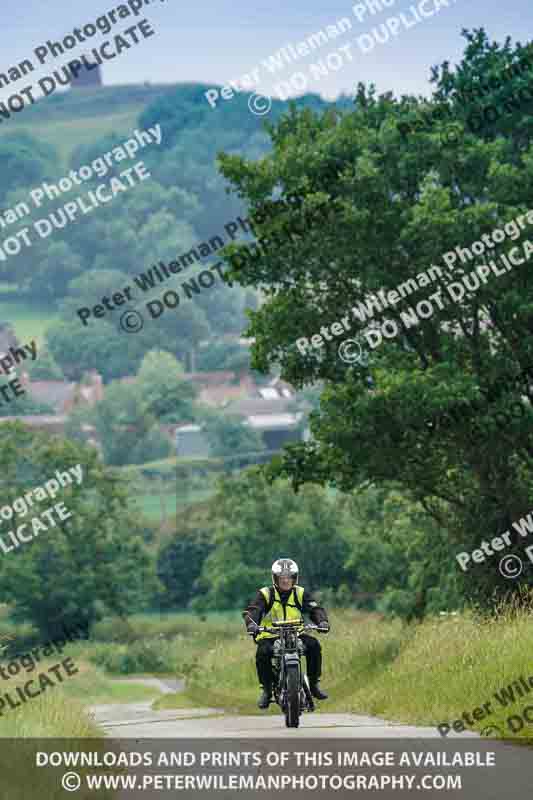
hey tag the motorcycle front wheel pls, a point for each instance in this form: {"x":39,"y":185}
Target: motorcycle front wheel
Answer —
{"x":292,"y":702}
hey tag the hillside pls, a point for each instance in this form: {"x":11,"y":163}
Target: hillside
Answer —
{"x":69,"y":119}
{"x":185,"y":203}
{"x":72,"y":118}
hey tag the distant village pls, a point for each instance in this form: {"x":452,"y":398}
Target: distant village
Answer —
{"x":267,"y":409}
{"x":273,"y":410}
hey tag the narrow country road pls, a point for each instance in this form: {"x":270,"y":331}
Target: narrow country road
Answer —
{"x":138,"y":720}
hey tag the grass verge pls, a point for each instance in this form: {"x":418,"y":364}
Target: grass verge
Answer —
{"x":60,"y":710}
{"x":423,"y":674}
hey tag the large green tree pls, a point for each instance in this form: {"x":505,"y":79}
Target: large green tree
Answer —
{"x":167,"y":395}
{"x":128,"y":418}
{"x":254,"y":524}
{"x":399,"y":556}
{"x":181,"y":559}
{"x":380,"y":208}
{"x":89,"y":565}
{"x":24,"y":162}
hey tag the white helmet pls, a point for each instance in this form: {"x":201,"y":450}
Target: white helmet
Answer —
{"x":284,"y":566}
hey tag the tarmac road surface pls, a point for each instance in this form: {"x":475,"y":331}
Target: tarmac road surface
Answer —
{"x":136,"y":724}
{"x":138,"y":720}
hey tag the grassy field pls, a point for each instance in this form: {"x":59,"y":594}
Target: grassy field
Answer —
{"x":68,"y":134}
{"x":159,"y":492}
{"x":27,"y":322}
{"x":161,"y":506}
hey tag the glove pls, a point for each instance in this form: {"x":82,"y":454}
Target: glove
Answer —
{"x":324,"y":627}
{"x":251,"y":630}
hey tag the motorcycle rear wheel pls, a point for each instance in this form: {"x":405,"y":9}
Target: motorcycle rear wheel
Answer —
{"x":292,"y":701}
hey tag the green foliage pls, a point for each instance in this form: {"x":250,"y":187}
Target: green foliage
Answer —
{"x":181,"y":560}
{"x":229,"y":436}
{"x":121,"y":422}
{"x":374,"y":548}
{"x":24,"y":161}
{"x":44,"y":368}
{"x":77,"y":422}
{"x":369,"y":191}
{"x":394,"y":543}
{"x":271,"y":522}
{"x":155,"y":444}
{"x":397,"y":603}
{"x":183,"y":203}
{"x":101,"y":347}
{"x":127,"y":420}
{"x":167,"y":395}
{"x":137,"y":657}
{"x":89,"y":288}
{"x":223,"y":355}
{"x":75,"y":571}
{"x":491,"y":63}
{"x":55,"y":264}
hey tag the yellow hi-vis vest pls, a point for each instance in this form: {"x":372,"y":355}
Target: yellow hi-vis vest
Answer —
{"x":278,"y":612}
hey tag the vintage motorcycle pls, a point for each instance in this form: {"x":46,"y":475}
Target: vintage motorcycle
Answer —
{"x":291,"y":685}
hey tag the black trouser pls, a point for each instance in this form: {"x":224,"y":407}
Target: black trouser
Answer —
{"x":263,"y":659}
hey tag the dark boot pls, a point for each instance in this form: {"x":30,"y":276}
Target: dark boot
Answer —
{"x":266,"y":696}
{"x":317,"y":692}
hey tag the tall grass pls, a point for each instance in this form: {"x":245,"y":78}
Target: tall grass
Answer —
{"x":454,"y":666}
{"x":60,"y":710}
{"x":57,"y":713}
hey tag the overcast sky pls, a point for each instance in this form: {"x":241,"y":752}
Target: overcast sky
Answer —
{"x":217,"y":40}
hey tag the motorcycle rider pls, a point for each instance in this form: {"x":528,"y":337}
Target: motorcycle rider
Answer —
{"x":284,"y":600}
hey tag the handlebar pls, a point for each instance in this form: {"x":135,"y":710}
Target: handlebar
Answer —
{"x":275,"y":629}
{"x":309,"y":626}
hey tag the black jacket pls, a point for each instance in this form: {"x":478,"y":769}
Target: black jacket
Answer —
{"x":257,"y":608}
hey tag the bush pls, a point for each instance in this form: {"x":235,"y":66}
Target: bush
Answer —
{"x":344,"y":596}
{"x":45,"y":368}
{"x":326,"y":597}
{"x":397,"y":603}
{"x":153,"y":446}
{"x":180,"y":563}
{"x":155,"y":656}
{"x":94,"y":562}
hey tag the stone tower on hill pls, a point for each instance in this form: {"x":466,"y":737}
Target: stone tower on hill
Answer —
{"x":88,"y":78}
